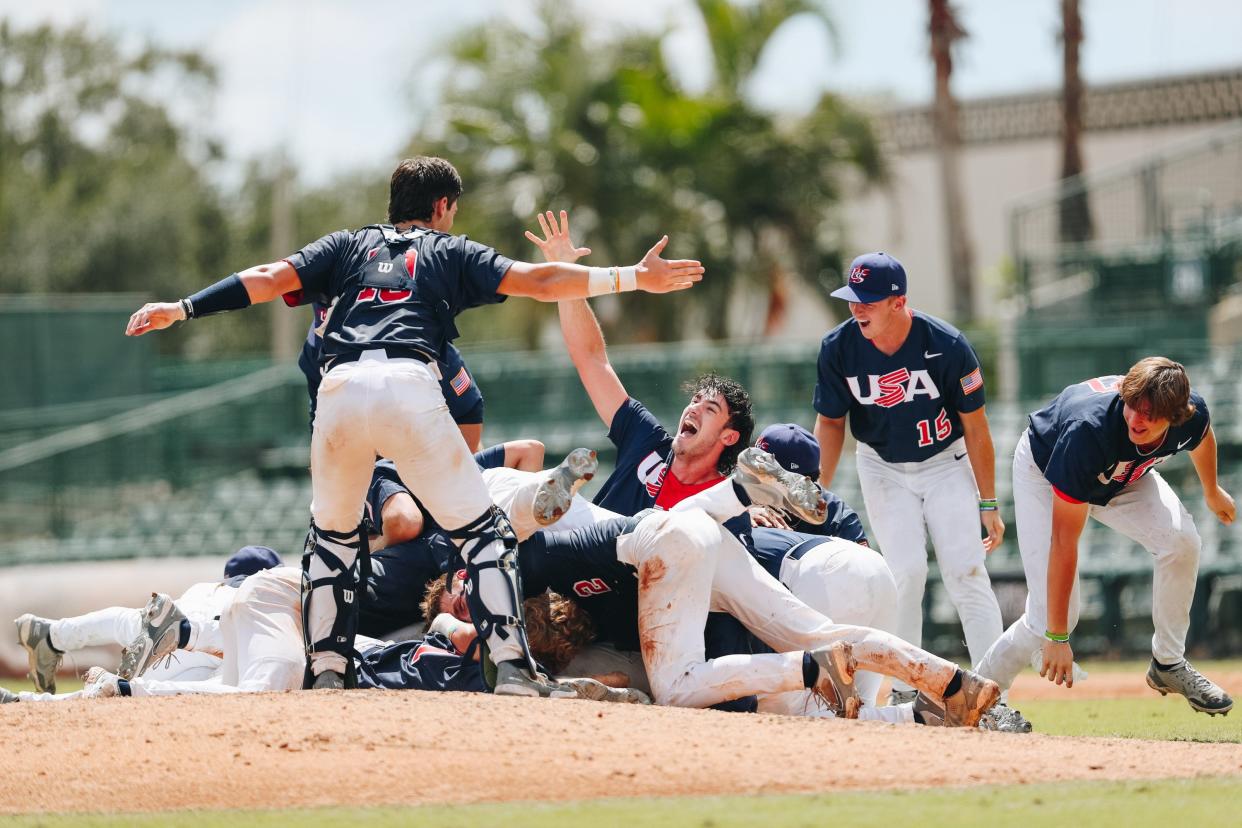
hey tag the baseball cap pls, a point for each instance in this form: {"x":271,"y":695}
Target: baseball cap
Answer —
{"x":795,"y":448}
{"x":249,"y":560}
{"x":872,"y":277}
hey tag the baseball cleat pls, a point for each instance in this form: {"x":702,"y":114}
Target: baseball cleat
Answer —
{"x":768,"y":484}
{"x":835,"y":685}
{"x":328,"y":680}
{"x":977,"y":696}
{"x":100,"y":684}
{"x":1004,"y":719}
{"x":556,"y":492}
{"x":1201,"y":692}
{"x":513,"y":680}
{"x":161,"y":633}
{"x":35,"y":636}
{"x":7,"y":696}
{"x":896,"y":697}
{"x":592,"y":690}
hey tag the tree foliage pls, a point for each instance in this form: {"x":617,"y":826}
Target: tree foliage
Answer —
{"x":555,"y":116}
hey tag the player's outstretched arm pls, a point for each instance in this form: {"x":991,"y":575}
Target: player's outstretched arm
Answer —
{"x":982,"y":453}
{"x":554,"y":281}
{"x":1218,"y":500}
{"x":584,"y":340}
{"x":261,"y":283}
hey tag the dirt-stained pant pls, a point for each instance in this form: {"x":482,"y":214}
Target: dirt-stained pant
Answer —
{"x":688,"y":565}
{"x":1148,"y":512}
{"x":939,"y":493}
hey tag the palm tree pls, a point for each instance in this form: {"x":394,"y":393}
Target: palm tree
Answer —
{"x":548,"y":116}
{"x":945,"y":31}
{"x":1075,"y":209}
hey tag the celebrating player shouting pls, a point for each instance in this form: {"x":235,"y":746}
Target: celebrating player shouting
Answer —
{"x":1092,"y":451}
{"x":913,"y":390}
{"x":397,"y":289}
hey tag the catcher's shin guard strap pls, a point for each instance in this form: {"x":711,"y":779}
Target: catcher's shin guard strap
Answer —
{"x":347,"y":590}
{"x":477,"y":539}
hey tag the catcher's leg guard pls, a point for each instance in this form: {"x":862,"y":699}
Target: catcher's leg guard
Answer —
{"x":331,"y":595}
{"x":488,"y":546}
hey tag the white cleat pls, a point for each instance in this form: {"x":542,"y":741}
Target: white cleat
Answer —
{"x":556,"y":493}
{"x":767,"y":483}
{"x":100,"y":684}
{"x":513,"y":680}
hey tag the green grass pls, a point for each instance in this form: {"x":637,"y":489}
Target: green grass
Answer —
{"x":1165,"y":719}
{"x":1133,"y":804}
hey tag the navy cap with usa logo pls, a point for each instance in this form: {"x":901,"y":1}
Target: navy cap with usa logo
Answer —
{"x":872,"y":277}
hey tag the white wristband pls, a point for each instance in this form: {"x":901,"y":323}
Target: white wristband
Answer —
{"x":604,"y":280}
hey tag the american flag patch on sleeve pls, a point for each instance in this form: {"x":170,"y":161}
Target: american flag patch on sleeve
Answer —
{"x":972,"y":382}
{"x":461,"y":382}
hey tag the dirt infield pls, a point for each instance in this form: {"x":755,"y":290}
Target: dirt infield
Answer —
{"x":335,"y":748}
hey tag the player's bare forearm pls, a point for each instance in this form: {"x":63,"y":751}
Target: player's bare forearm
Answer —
{"x":978,"y":438}
{"x":584,"y":340}
{"x":524,"y":455}
{"x":1068,"y":520}
{"x":1218,"y":500}
{"x":830,"y":432}
{"x":554,"y":281}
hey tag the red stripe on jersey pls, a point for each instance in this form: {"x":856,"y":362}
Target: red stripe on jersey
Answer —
{"x":1066,"y":497}
{"x":411,"y":261}
{"x":673,"y":491}
{"x":294,"y":297}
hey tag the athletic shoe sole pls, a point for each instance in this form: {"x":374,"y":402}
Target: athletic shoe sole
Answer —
{"x":556,"y":493}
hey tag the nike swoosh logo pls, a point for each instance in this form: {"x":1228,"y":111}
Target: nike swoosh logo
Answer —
{"x":959,"y":456}
{"x":931,"y":356}
{"x":1182,"y":444}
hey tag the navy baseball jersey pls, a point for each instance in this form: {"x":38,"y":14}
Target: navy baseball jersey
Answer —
{"x":582,"y":564}
{"x":398,"y":291}
{"x":461,"y":392}
{"x":427,"y":663}
{"x":904,"y":406}
{"x":1081,"y":443}
{"x":398,"y":582}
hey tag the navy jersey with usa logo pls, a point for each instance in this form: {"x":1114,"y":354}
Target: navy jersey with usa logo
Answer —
{"x":398,"y":291}
{"x":1081,"y":444}
{"x":461,"y":392}
{"x":427,"y":663}
{"x":905,"y":406}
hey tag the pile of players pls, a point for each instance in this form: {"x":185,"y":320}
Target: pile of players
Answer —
{"x":706,"y":572}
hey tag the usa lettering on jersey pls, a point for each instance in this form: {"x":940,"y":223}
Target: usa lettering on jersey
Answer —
{"x":651,"y":472}
{"x":894,"y":388}
{"x":1128,"y":471}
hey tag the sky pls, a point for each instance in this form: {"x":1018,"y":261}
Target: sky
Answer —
{"x":316,"y":79}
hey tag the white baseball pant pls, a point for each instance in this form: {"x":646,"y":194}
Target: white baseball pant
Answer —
{"x":394,"y":408}
{"x":689,"y":565}
{"x":1149,"y":513}
{"x":939,"y":493}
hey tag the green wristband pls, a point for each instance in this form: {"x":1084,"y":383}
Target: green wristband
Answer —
{"x":1060,"y":638}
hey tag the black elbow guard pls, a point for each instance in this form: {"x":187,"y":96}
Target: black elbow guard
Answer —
{"x":225,"y":295}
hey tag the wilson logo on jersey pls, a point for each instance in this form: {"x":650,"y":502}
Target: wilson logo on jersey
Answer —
{"x":461,"y":382}
{"x":593,"y":586}
{"x":894,"y":387}
{"x":651,"y":472}
{"x":972,"y":382}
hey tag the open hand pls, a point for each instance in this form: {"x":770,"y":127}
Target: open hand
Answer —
{"x":556,"y":245}
{"x":656,"y":275}
{"x":1058,"y":662}
{"x":154,"y":316}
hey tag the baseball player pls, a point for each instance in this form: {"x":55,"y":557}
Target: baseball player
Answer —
{"x":1092,"y":452}
{"x":797,"y":450}
{"x":913,"y":391}
{"x":47,"y":640}
{"x":397,"y":289}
